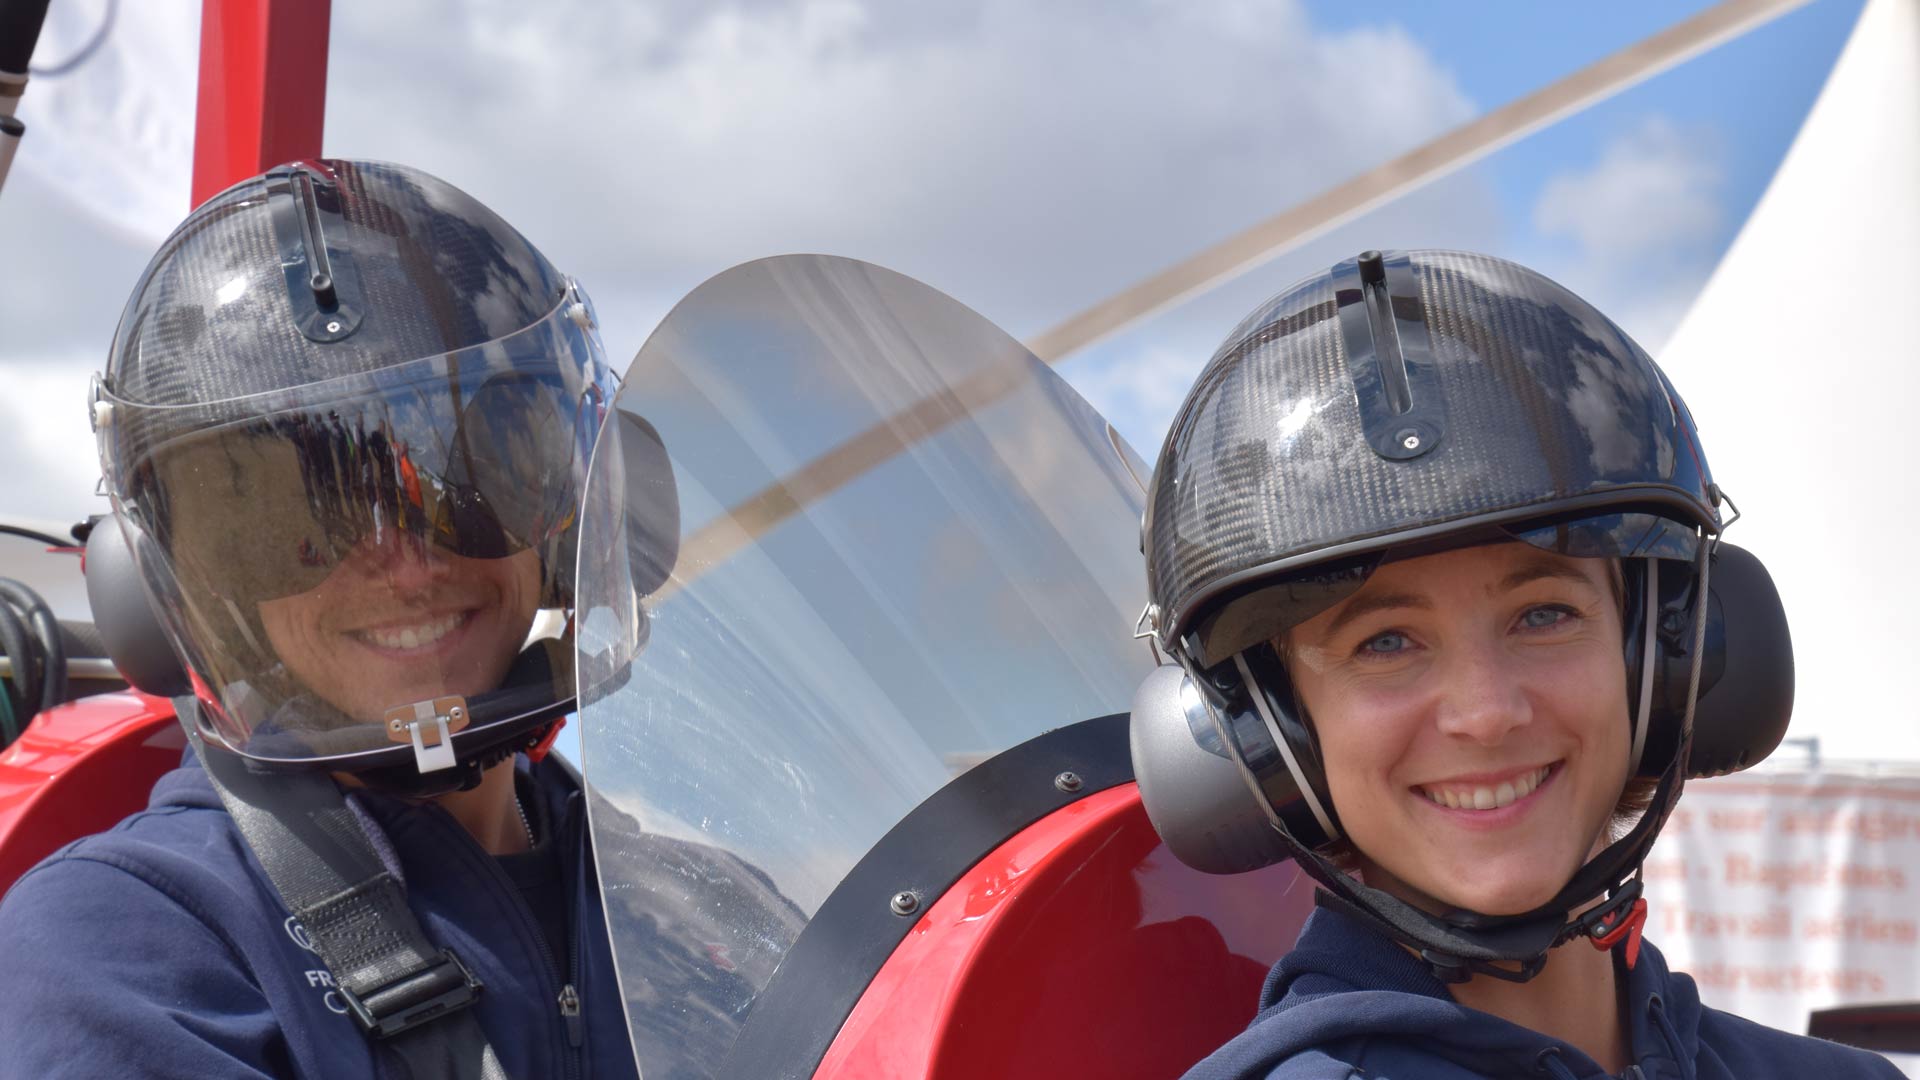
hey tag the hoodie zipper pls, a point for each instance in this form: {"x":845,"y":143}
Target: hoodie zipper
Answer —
{"x":573,"y":1023}
{"x":570,"y":1009}
{"x":569,"y":996}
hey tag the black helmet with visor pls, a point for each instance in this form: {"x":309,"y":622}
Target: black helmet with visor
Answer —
{"x":1400,"y":404}
{"x":345,"y":424}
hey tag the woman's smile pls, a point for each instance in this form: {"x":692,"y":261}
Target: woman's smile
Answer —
{"x":381,"y":633}
{"x":1480,"y":794}
{"x":422,"y":635}
{"x":1491,"y":806}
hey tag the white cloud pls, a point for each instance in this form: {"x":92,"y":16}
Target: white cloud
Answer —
{"x":1644,"y":221}
{"x":51,"y":466}
{"x":101,"y":176}
{"x":1654,"y":190}
{"x":1027,"y":158}
{"x":46,"y":443}
{"x":1139,"y":393}
{"x":59,"y":305}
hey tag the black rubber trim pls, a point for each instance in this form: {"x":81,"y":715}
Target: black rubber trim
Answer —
{"x":1892,"y":1028}
{"x":823,"y":976}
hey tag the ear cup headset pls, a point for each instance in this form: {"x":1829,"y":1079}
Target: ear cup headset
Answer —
{"x":330,"y":365}
{"x":1399,"y":405}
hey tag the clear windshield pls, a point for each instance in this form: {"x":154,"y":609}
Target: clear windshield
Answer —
{"x":903,"y":545}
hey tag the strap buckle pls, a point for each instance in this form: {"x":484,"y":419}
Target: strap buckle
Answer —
{"x":443,"y":716}
{"x":1620,"y":919}
{"x":415,"y":998}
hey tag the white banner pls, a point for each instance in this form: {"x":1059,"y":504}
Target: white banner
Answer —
{"x":1782,"y":893}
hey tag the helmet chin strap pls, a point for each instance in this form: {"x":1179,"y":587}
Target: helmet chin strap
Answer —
{"x":310,"y":723}
{"x":1461,"y":944}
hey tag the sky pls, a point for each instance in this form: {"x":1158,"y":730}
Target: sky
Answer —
{"x":1027,"y":159}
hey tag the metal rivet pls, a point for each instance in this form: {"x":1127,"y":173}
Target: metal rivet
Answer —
{"x":1409,"y":439}
{"x":333,"y":328}
{"x":456,"y":713}
{"x":1069,"y":782}
{"x":904,"y":903}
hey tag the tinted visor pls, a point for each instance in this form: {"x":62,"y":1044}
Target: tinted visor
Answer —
{"x":1268,"y":607}
{"x":331,"y":552}
{"x":473,"y":454}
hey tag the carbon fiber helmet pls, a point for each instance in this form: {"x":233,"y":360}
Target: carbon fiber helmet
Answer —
{"x":1400,"y":404}
{"x":345,"y":424}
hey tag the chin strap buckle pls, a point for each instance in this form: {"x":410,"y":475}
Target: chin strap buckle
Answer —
{"x":442,"y":716}
{"x":1448,"y":969}
{"x":1612,"y":928}
{"x":540,"y":749}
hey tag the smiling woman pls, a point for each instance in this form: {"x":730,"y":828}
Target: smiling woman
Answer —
{"x":370,"y":515}
{"x":345,"y":424}
{"x":1463,"y":632}
{"x":1470,"y":711}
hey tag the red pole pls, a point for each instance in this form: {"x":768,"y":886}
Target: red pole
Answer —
{"x":263,"y":88}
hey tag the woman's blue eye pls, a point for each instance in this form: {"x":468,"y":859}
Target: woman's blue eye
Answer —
{"x":1541,"y":618}
{"x":1390,"y":642}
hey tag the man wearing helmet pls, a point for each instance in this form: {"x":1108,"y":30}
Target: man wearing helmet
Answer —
{"x":345,"y":425}
{"x":1437,"y":551}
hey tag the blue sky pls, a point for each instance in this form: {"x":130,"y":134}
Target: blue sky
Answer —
{"x":1751,"y":93}
{"x":1027,"y":159}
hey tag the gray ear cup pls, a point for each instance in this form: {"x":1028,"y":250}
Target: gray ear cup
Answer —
{"x":124,"y":617}
{"x":1199,"y":801}
{"x":653,"y":512}
{"x":1743,"y":716}
{"x":1746,"y":669}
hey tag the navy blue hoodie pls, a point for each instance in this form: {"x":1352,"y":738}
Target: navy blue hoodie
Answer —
{"x":1348,"y":1003}
{"x":159,"y":949}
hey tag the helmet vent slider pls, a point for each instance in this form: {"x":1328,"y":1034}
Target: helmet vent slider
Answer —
{"x":1389,"y":352}
{"x":323,"y":286}
{"x":1373,"y":268}
{"x":320,"y":276}
{"x":1386,"y":339}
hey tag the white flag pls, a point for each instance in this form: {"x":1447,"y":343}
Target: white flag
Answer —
{"x":114,"y":135}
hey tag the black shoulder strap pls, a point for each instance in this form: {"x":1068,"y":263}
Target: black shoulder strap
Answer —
{"x":409,"y":997}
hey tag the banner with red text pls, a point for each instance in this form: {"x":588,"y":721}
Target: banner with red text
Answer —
{"x":1782,"y":893}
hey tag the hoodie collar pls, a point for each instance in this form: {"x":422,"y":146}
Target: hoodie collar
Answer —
{"x":1336,"y":953}
{"x":1385,"y":992}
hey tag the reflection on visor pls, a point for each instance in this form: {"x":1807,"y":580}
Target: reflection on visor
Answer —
{"x":270,"y":506}
{"x":1269,"y":610}
{"x":1615,"y":536}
